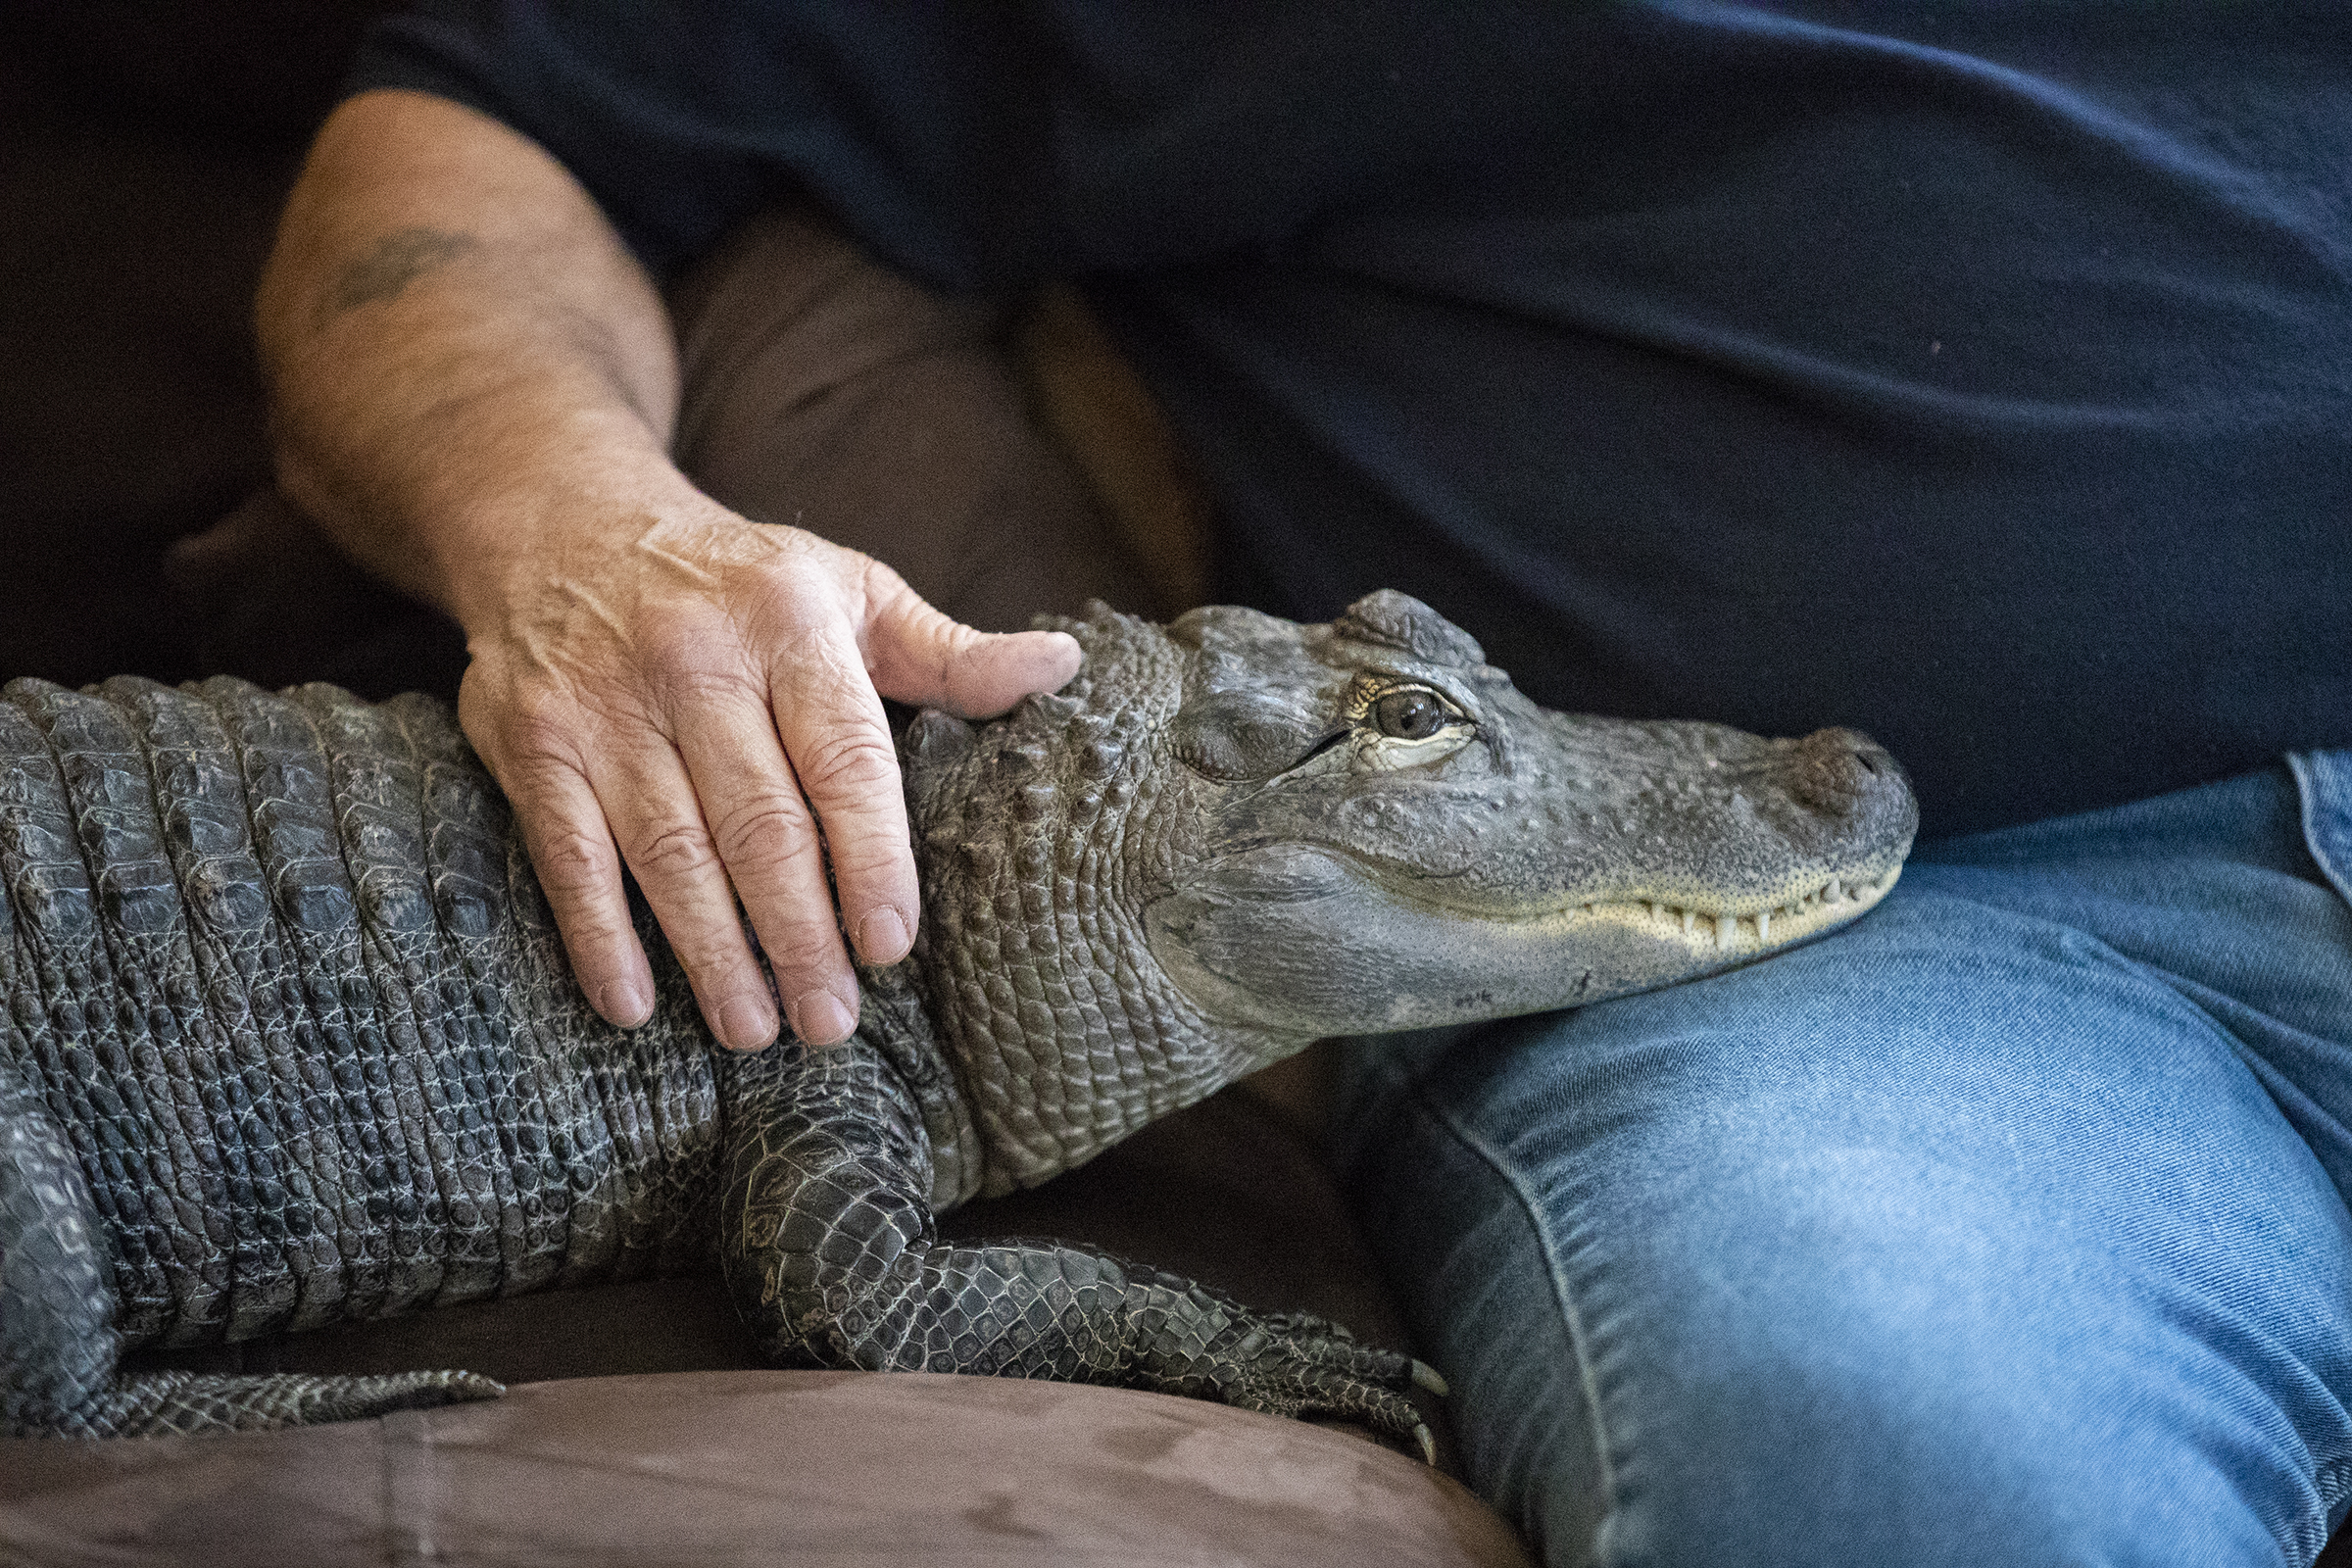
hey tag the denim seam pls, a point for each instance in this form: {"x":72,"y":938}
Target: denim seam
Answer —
{"x":1562,"y":1292}
{"x":2314,"y":786}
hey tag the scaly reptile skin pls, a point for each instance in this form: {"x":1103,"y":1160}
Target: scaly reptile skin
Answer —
{"x":291,"y":1037}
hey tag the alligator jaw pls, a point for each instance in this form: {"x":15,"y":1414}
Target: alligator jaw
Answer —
{"x":1300,"y":942}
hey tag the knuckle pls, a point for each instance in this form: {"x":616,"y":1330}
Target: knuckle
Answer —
{"x":767,"y":832}
{"x":533,"y":734}
{"x":797,"y":587}
{"x":676,"y":852}
{"x":876,"y":862}
{"x":717,"y":965}
{"x":535,"y":710}
{"x":853,"y":762}
{"x":570,"y":863}
{"x":697,"y":662}
{"x":803,"y":940}
{"x":882,"y":587}
{"x":804,"y":954}
{"x":708,"y":941}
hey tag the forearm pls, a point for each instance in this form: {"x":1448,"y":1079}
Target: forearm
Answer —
{"x":464,"y":362}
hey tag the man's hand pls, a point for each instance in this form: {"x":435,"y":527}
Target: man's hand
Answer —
{"x":701,"y":691}
{"x":474,"y":386}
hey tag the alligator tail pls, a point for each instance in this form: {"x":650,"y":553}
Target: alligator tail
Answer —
{"x":158,"y":1405}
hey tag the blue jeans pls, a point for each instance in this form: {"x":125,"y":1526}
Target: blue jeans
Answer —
{"x":2007,"y":1226}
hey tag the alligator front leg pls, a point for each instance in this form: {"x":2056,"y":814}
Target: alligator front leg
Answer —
{"x":58,"y":1344}
{"x":833,"y":1256}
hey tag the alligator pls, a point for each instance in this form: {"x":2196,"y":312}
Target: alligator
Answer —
{"x":290,"y":1036}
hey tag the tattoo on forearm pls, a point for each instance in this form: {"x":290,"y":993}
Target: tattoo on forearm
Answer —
{"x":395,"y":262}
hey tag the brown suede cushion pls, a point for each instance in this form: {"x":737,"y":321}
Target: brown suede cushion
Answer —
{"x":810,"y":1468}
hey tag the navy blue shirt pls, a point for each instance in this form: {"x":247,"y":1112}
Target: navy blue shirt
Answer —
{"x":1977,"y":374}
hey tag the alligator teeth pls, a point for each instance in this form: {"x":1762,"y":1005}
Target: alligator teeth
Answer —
{"x":1724,"y":934}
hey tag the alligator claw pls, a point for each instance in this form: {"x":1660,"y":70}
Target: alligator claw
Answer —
{"x":1426,"y":1376}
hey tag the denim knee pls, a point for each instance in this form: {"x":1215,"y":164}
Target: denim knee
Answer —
{"x":1966,"y":1240}
{"x":1817,"y":1398}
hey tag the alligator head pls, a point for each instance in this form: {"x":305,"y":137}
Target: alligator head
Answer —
{"x":1233,"y":835}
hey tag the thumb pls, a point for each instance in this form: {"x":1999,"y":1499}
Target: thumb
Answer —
{"x":920,"y":655}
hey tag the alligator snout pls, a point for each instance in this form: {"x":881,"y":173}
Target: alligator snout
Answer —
{"x":1838,"y":771}
{"x":1859,"y":793}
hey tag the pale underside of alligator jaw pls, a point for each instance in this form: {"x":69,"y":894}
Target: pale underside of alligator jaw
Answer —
{"x":1717,"y":931}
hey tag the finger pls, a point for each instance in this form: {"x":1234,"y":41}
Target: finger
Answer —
{"x":658,"y":822}
{"x":834,"y":732}
{"x":768,"y":841}
{"x":920,"y":655}
{"x":571,"y":851}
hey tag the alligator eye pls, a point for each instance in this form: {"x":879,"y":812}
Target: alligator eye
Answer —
{"x":1409,"y":714}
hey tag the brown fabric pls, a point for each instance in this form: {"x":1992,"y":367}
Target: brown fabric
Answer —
{"x":807,"y":1468}
{"x":824,"y":392}
{"x":1100,"y":412}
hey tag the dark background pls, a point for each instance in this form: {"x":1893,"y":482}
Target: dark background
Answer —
{"x":144,"y":152}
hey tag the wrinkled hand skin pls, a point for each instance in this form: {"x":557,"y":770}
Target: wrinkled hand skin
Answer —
{"x":291,"y":1037}
{"x":698,"y":693}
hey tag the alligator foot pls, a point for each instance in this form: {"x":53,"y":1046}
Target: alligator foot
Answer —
{"x":1290,"y":1364}
{"x":830,"y":1248}
{"x":158,"y":1405}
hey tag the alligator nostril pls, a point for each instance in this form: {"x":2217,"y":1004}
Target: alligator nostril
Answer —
{"x":1832,"y":769}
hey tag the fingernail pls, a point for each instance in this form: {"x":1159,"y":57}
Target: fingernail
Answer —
{"x":820,"y":1018}
{"x":623,"y":1003}
{"x":745,"y":1025}
{"x":882,"y":937}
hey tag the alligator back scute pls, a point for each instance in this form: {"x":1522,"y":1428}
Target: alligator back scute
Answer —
{"x":461,"y":848}
{"x":215,"y":1231}
{"x":294,"y":1163}
{"x":64,"y":1027}
{"x":324,"y":986}
{"x":432,"y":1050}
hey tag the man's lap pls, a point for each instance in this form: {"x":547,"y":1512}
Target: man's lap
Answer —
{"x":1999,"y":1227}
